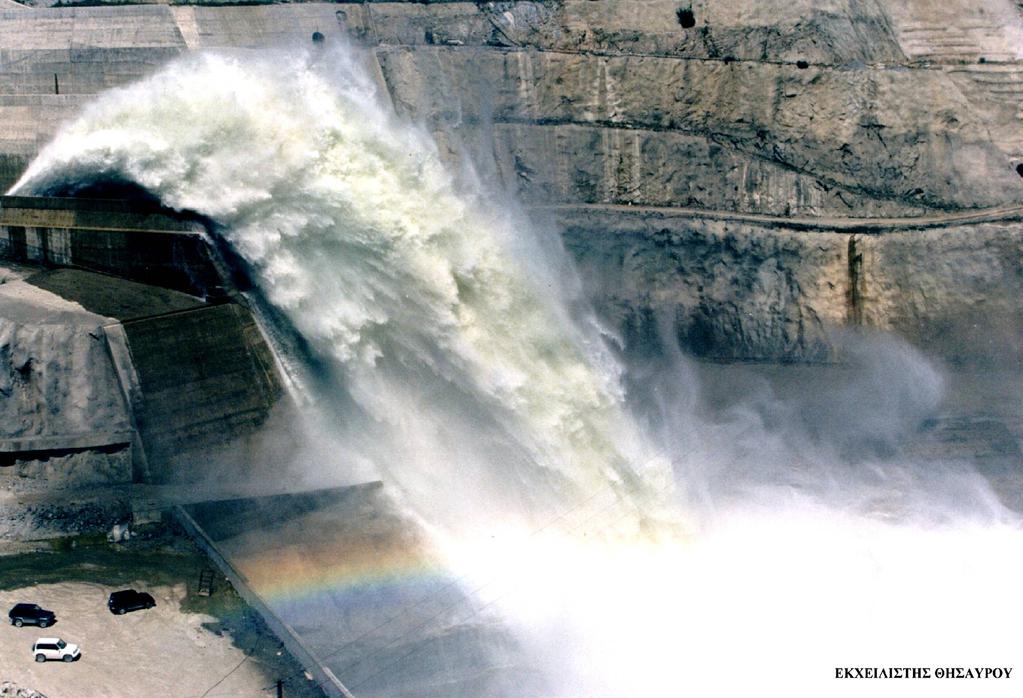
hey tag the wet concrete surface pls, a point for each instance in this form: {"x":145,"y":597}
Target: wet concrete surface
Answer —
{"x":359,"y":585}
{"x":353,"y":577}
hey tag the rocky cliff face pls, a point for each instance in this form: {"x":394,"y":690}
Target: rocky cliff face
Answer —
{"x":59,"y":394}
{"x":758,"y":106}
{"x":809,"y":113}
{"x":813,"y":114}
{"x":79,"y":394}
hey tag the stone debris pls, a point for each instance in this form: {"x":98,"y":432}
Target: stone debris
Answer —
{"x":11,"y":690}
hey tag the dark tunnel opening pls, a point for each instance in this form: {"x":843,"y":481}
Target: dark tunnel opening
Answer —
{"x":107,"y":189}
{"x":128,"y":195}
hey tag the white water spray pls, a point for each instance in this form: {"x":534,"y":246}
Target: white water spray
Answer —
{"x":470,"y":373}
{"x":355,"y":230}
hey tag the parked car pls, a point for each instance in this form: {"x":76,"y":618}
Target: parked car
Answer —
{"x":54,"y":648}
{"x":31,"y":614}
{"x":120,"y":602}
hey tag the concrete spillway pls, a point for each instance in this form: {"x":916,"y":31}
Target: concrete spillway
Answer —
{"x":737,"y":182}
{"x":317,"y":563}
{"x":193,"y":370}
{"x":128,"y":240}
{"x":859,"y":112}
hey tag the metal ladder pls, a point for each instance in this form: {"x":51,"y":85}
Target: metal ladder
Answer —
{"x":205,"y":582}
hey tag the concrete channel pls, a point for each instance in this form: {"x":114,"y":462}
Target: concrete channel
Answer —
{"x":325,"y":678}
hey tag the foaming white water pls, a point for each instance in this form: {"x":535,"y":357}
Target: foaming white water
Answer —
{"x":464,"y":366}
{"x":355,"y":230}
{"x":770,"y":603}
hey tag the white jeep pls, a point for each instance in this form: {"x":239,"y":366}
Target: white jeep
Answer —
{"x":54,"y":648}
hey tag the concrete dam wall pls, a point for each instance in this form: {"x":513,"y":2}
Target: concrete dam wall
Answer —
{"x":612,"y":118}
{"x":136,"y":376}
{"x":745,"y":179}
{"x":757,"y":175}
{"x":109,"y":237}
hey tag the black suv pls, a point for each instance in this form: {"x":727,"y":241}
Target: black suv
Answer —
{"x":31,"y":614}
{"x":121,"y":602}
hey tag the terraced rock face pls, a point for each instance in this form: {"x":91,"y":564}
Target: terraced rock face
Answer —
{"x":791,"y":109}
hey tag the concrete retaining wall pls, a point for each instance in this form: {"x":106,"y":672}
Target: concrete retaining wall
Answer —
{"x":324,"y":677}
{"x":110,"y":237}
{"x":206,"y":377}
{"x":192,"y":369}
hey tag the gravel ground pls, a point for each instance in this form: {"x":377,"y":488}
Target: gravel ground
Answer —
{"x":185,"y":646}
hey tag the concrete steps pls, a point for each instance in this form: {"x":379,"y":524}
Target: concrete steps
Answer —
{"x":960,"y":40}
{"x":1003,"y":83}
{"x":69,"y":79}
{"x":52,"y":61}
{"x":998,"y":87}
{"x":921,"y":41}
